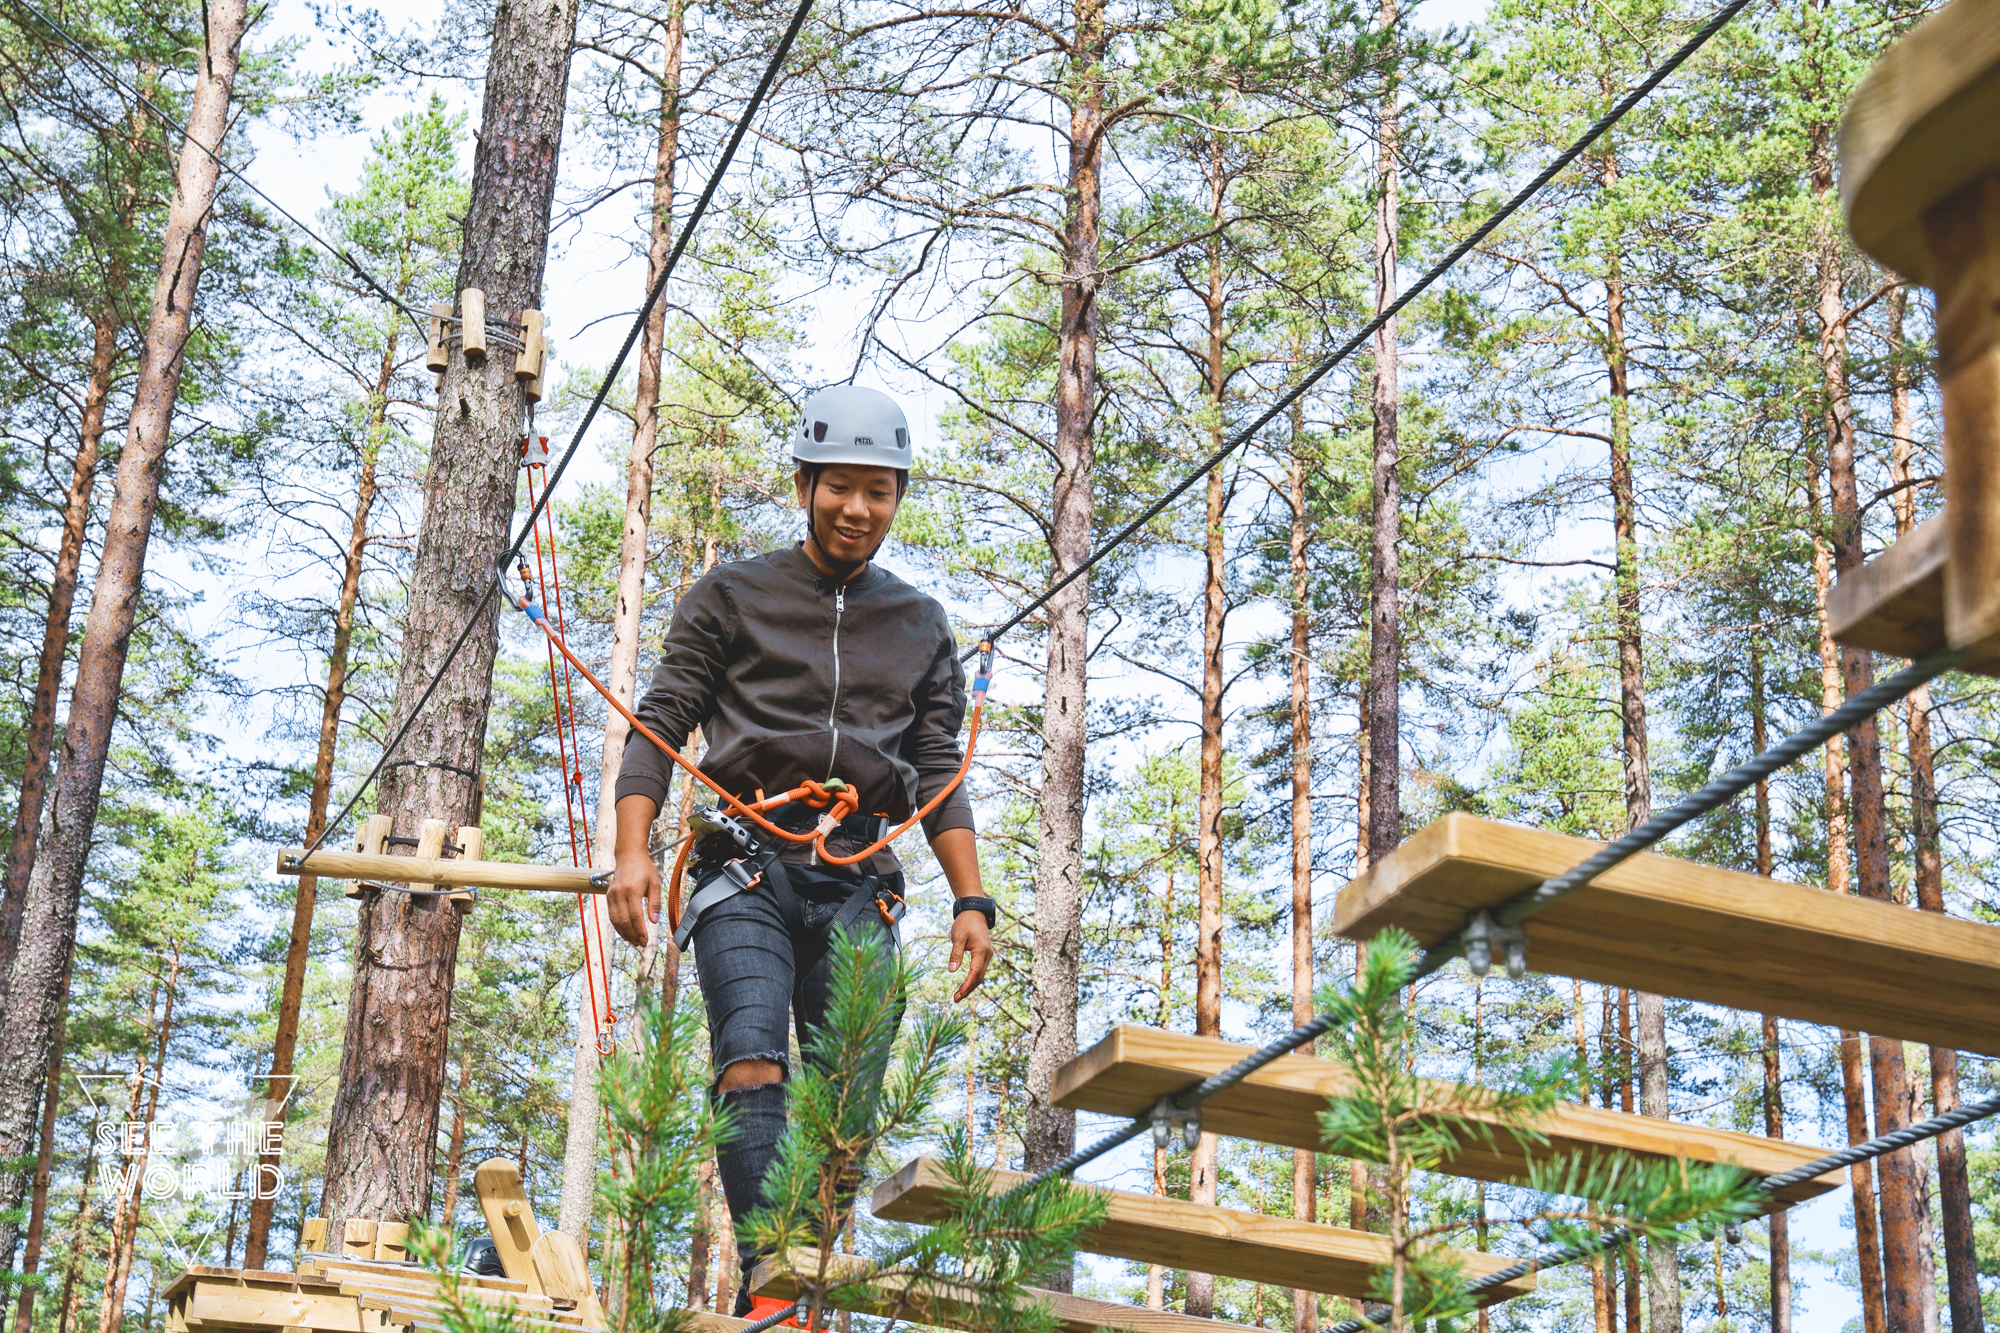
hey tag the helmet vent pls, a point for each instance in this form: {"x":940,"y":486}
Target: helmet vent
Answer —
{"x":819,"y":430}
{"x":902,"y":438}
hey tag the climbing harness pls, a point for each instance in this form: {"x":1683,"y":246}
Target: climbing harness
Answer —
{"x":739,"y":820}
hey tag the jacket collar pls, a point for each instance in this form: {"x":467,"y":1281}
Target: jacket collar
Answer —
{"x":793,"y":560}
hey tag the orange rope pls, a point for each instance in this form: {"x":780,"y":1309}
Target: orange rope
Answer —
{"x":838,"y":803}
{"x":576,"y":809}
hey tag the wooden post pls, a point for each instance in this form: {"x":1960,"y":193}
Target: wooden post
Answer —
{"x":372,"y":840}
{"x":472,"y":325}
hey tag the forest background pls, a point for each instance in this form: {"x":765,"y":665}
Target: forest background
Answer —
{"x":1608,"y":444}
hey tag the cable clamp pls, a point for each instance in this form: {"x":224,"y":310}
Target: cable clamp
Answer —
{"x":1480,"y":936}
{"x":1168,"y":1117}
{"x":709,"y":819}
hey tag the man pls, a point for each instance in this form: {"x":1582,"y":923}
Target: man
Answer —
{"x":810,"y":662}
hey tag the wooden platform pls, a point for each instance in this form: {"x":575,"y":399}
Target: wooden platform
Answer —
{"x":1074,"y":1314}
{"x":1149,"y":1229}
{"x":1130,"y":1070}
{"x":1720,"y":936}
{"x":255,"y":1299}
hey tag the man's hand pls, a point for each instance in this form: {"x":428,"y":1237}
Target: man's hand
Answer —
{"x":634,"y":898}
{"x":970,"y":941}
{"x":634,"y":895}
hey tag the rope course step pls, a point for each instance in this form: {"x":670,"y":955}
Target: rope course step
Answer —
{"x":1156,"y":1229}
{"x":1675,"y":927}
{"x":1135,"y":1069}
{"x":893,"y":1296}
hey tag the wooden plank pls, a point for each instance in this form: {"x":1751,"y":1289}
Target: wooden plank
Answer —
{"x":336,"y":1270}
{"x":1895,"y":602}
{"x":360,"y":1238}
{"x":707,"y":1321}
{"x":214,"y":1301}
{"x":565,"y":1275}
{"x":371,"y":839}
{"x":1922,"y":123}
{"x":312,"y":1236}
{"x":471,"y":841}
{"x":1074,"y":1314}
{"x":1131,"y":1069}
{"x":1720,"y":936}
{"x":509,"y":1218}
{"x":277,"y":1277}
{"x":438,"y":870}
{"x":1148,"y":1229}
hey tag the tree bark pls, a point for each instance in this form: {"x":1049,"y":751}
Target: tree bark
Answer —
{"x":382,"y":1133}
{"x":1385,"y":613}
{"x":1050,"y":1132}
{"x":454,"y":1153}
{"x":37,"y":988}
{"x":39,"y":733}
{"x":579,"y":1179}
{"x":79,"y":1228}
{"x":38,"y":1210}
{"x":1305,"y":1174}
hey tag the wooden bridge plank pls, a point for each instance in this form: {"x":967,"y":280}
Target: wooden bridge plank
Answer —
{"x":1131,"y":1069}
{"x":1149,"y":1229}
{"x":1074,"y":1314}
{"x":1720,"y":936}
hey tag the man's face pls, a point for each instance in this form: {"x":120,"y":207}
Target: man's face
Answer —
{"x":852,"y":508}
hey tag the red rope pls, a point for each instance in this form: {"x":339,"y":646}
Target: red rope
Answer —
{"x":576,"y":809}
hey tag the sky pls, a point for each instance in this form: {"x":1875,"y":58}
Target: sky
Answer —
{"x":594,"y":282}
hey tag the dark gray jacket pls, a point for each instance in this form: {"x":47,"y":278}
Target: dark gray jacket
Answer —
{"x":792,"y":676}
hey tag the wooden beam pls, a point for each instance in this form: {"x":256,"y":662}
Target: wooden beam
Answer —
{"x":1921,"y":124}
{"x":510,"y":1220}
{"x":1149,"y":1229}
{"x":1719,"y":936}
{"x":891,"y":1298}
{"x":1920,"y":178}
{"x":438,"y":870}
{"x":1129,"y":1071}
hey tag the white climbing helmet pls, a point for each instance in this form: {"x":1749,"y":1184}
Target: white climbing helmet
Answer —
{"x":850,"y":424}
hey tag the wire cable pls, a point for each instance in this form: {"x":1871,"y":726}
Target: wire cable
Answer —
{"x":1372,"y":327}
{"x":653,"y":294}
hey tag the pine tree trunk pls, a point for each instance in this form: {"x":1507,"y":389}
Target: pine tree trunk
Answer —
{"x":117,"y":1281}
{"x":1905,"y":1221}
{"x":1208,"y":840}
{"x":39,"y":733}
{"x":1050,"y":1132}
{"x":454,"y":1153}
{"x":80,"y":1225}
{"x":579,"y":1180}
{"x":1385,"y":612}
{"x":1954,"y":1185}
{"x":382,"y":1134}
{"x":38,"y":1209}
{"x":1861,"y":1177}
{"x":1774,"y":1105}
{"x":36,"y":989}
{"x":284,"y":1046}
{"x":1305,"y":1174}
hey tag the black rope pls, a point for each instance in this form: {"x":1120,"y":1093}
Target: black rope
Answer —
{"x":597,"y":401}
{"x":112,"y":77}
{"x":1834,"y":1161}
{"x":1373,"y":326}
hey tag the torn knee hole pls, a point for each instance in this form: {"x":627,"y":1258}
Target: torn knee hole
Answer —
{"x":742,"y":1075}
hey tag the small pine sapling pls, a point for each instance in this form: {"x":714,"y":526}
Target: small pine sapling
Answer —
{"x":663,"y":1126}
{"x":859,"y":1087}
{"x":460,"y":1309}
{"x":1404,"y":1124}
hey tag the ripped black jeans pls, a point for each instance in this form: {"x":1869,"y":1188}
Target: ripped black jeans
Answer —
{"x":754,"y":995}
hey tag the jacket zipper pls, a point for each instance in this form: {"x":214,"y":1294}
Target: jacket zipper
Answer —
{"x":839,"y":609}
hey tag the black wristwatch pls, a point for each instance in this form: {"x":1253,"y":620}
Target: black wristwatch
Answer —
{"x":983,"y":906}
